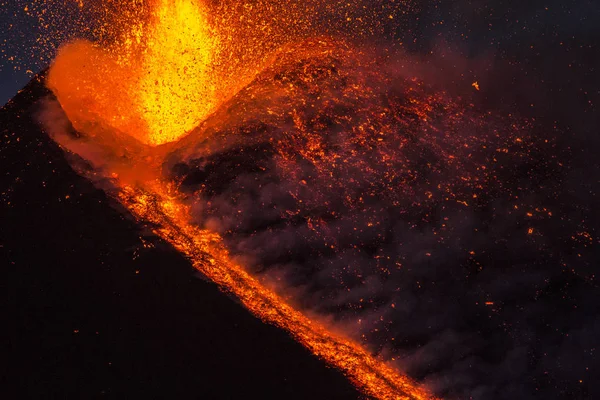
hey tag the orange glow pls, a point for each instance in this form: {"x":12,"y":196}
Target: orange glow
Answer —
{"x":177,"y":88}
{"x":156,"y":201}
{"x":156,"y":84}
{"x":160,"y":79}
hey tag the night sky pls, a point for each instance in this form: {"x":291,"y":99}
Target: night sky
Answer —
{"x":534,"y":59}
{"x":12,"y":81}
{"x":28,"y":42}
{"x":16,"y":31}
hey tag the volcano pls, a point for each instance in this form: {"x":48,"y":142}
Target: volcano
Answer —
{"x":420,"y":238}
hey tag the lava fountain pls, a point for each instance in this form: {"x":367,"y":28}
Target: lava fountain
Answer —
{"x":156,"y":84}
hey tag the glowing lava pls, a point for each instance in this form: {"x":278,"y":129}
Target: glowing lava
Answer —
{"x":156,"y":84}
{"x":158,"y":205}
{"x":177,"y":87}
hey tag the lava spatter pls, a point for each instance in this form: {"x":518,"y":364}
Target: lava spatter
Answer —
{"x":157,"y":200}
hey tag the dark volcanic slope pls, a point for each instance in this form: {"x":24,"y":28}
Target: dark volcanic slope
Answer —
{"x":88,"y":311}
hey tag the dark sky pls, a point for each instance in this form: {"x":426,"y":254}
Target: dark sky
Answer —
{"x":12,"y":23}
{"x":11,"y":81}
{"x":30,"y":32}
{"x":523,"y":31}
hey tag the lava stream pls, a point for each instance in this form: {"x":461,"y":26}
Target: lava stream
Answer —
{"x":160,"y":208}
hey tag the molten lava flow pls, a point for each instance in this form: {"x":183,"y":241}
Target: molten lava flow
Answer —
{"x":158,"y":206}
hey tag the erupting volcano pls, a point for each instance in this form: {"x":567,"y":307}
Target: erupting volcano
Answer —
{"x":163,"y":80}
{"x":303,"y":166}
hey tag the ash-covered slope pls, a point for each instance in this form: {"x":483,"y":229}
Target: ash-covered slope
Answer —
{"x":92,"y":307}
{"x":446,"y":238}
